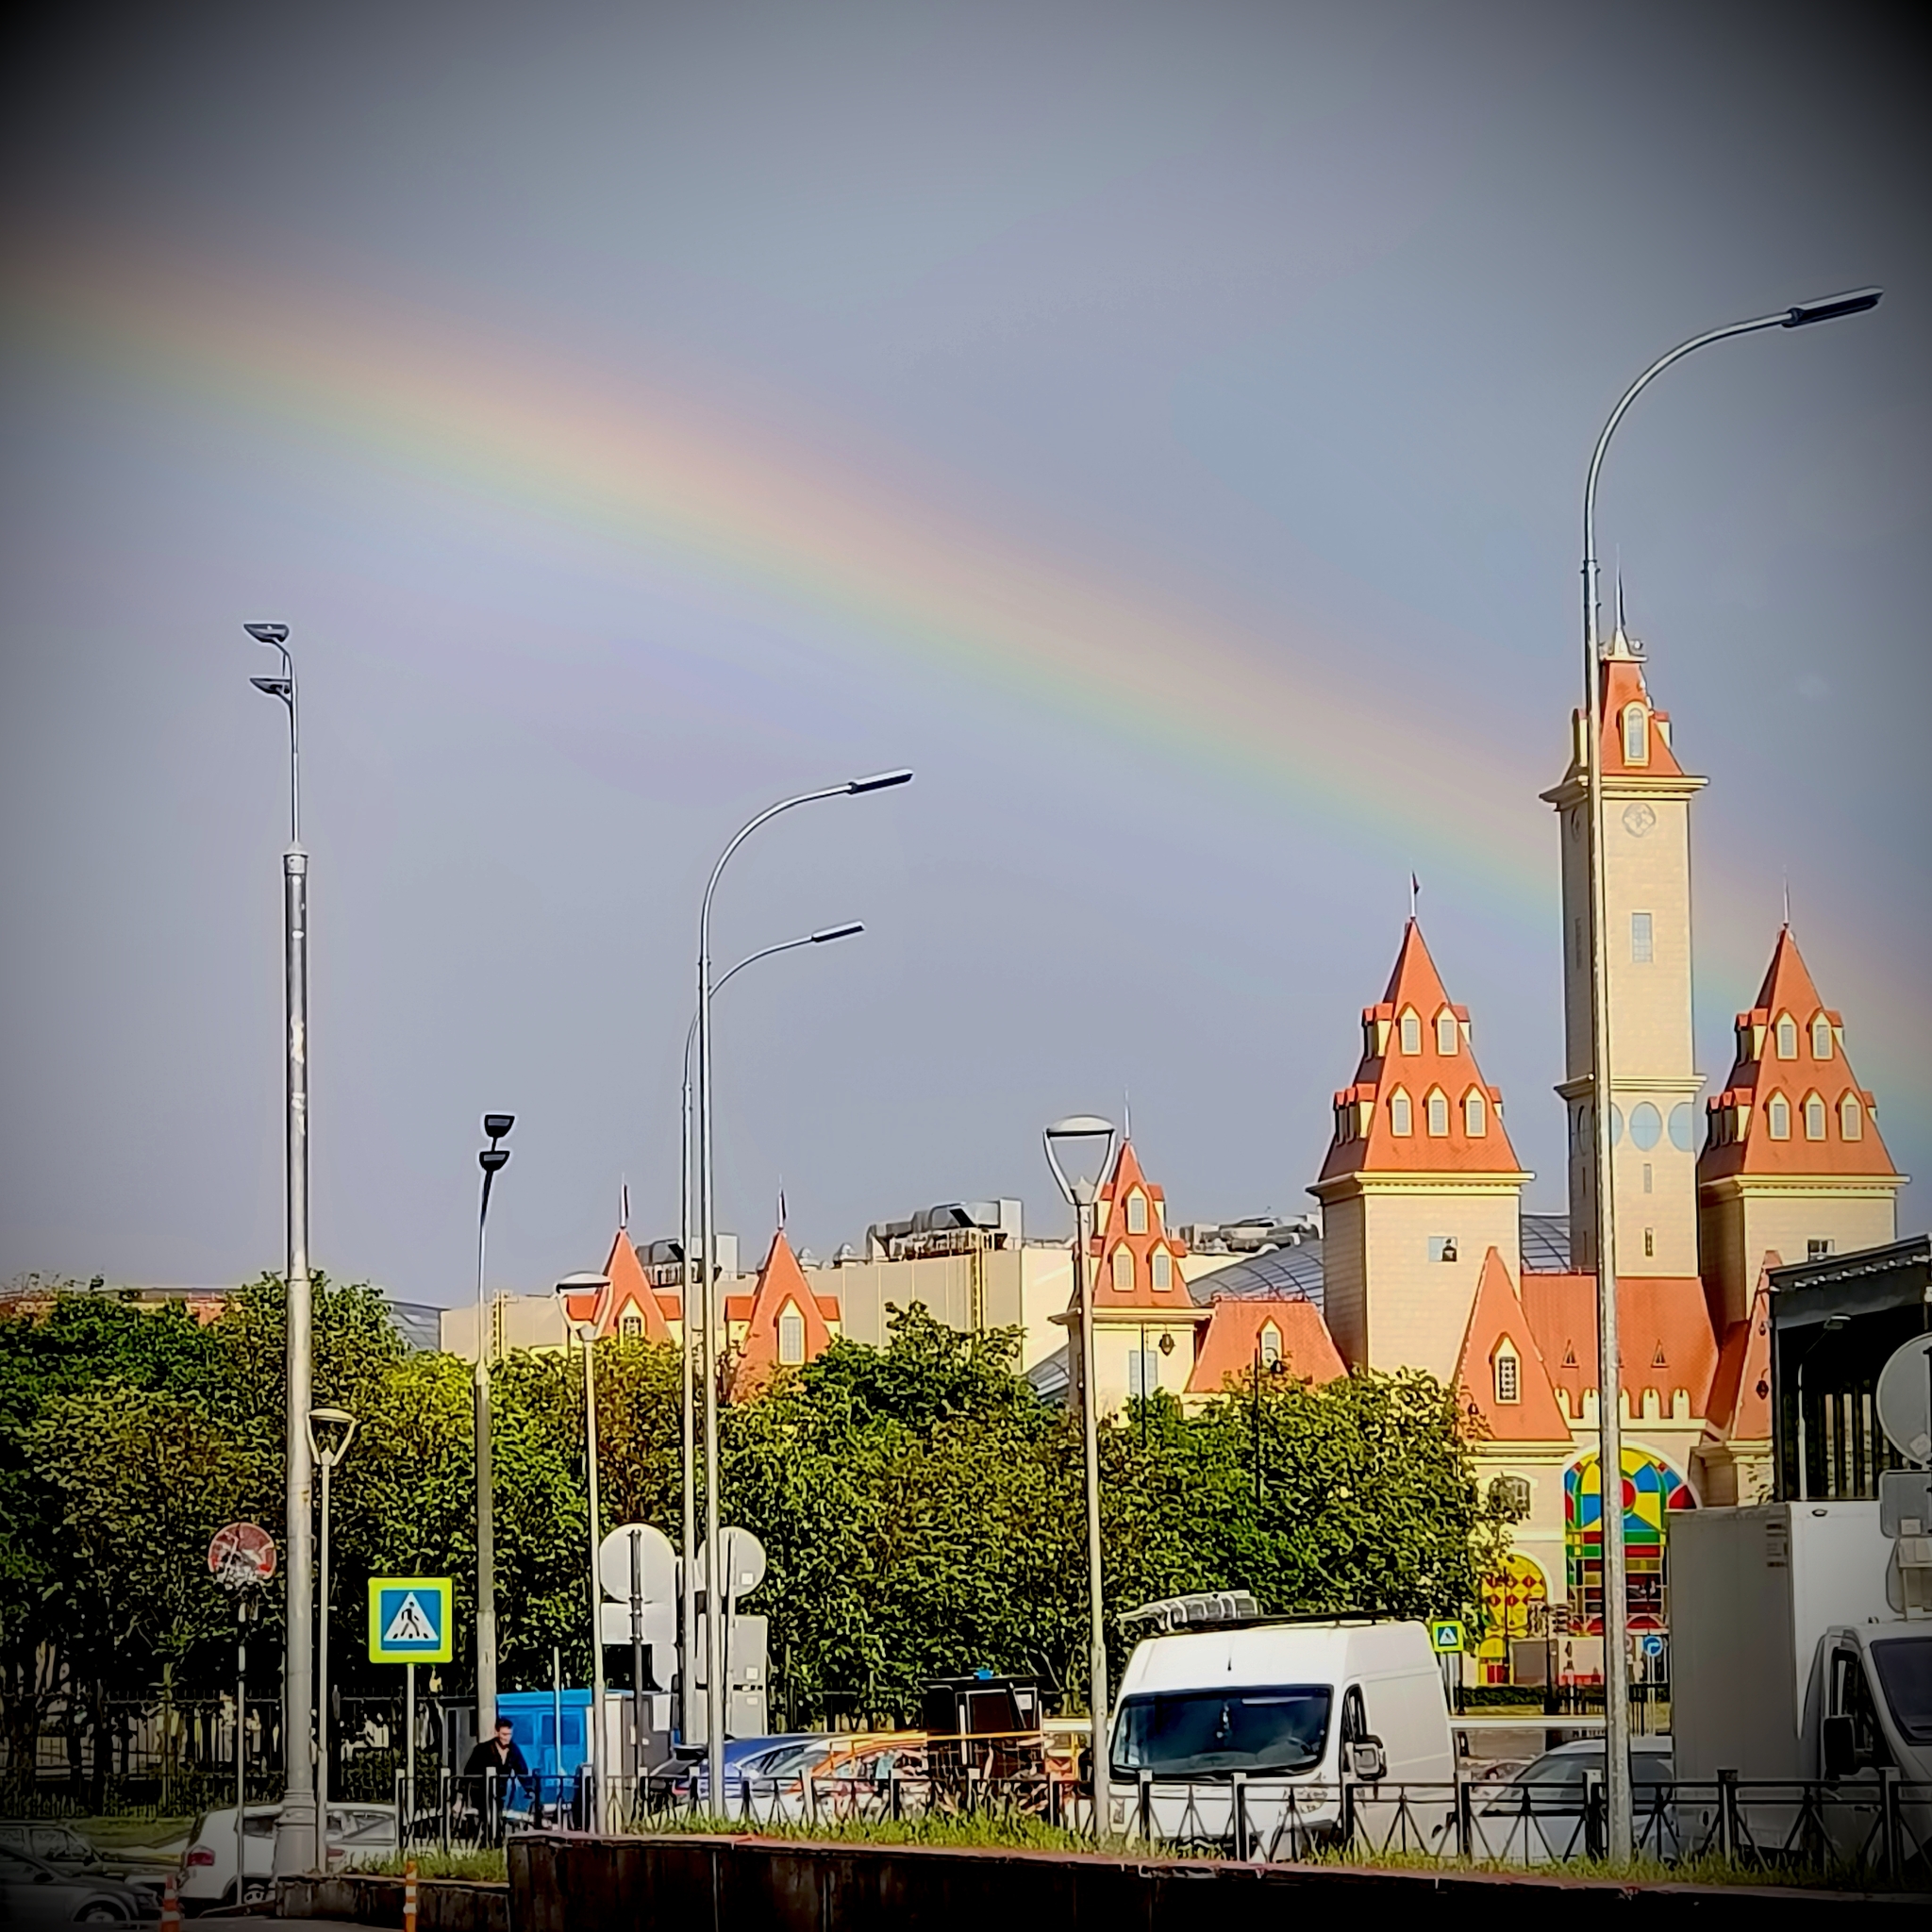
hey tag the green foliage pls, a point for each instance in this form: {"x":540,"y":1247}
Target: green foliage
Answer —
{"x":922,"y":1509}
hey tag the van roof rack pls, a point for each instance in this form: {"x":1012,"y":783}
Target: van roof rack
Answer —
{"x":1232,"y":1609}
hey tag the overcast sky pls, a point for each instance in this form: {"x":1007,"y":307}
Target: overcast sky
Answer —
{"x":1161,"y":426}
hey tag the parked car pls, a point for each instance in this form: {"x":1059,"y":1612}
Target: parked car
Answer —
{"x":1538,"y":1818}
{"x":77,"y":1856}
{"x":33,"y":1892}
{"x":358,"y":1835}
{"x":758,"y":1759}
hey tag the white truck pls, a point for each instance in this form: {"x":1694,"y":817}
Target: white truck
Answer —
{"x":1286,"y":1711}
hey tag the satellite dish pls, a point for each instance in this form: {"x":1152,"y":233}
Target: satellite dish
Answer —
{"x":657,"y":1564}
{"x":1905,"y":1399}
{"x":741,"y":1568}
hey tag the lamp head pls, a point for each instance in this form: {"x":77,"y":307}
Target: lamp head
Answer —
{"x":837,"y":932}
{"x":1086,"y":1141}
{"x":1829,"y":308}
{"x":499,"y":1124}
{"x":588,"y":1282}
{"x":276,"y":635}
{"x":1834,"y":1322}
{"x":493,"y":1159}
{"x":879,"y":781}
{"x":276,"y":687}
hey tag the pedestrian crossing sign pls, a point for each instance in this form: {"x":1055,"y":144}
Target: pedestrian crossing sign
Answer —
{"x":411,"y":1620}
{"x":1446,"y":1635}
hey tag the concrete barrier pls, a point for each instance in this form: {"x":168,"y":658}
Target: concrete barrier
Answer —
{"x":561,"y":1883}
{"x":364,"y":1898}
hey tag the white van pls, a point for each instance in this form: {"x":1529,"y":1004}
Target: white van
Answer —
{"x":1291,"y":1710}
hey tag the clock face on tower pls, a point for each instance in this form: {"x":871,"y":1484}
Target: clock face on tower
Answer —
{"x":1638,"y":818}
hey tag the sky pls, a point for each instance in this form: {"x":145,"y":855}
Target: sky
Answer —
{"x":1161,"y":426}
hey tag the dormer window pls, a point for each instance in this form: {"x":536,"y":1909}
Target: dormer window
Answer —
{"x":1137,"y":1212}
{"x":791,"y":1335}
{"x":1814,"y":1117}
{"x":631,"y":1325}
{"x":1269,"y":1342}
{"x":1163,"y":1270}
{"x":1475,"y":1114}
{"x":1400,"y":1120}
{"x":1411,"y":1030}
{"x":1636,"y":735}
{"x":1851,"y":1118}
{"x":1508,"y":1367}
{"x":1821,"y":1039}
{"x":1122,"y":1272}
{"x":1777,"y":1117}
{"x":1438,"y":1112}
{"x":1445,"y":1033}
{"x":1786,"y":1037}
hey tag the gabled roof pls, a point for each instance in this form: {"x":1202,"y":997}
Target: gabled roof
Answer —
{"x":781,"y":1285}
{"x":1498,"y":1324}
{"x":1737,"y":1138}
{"x":1663,"y":1329}
{"x":1739,"y":1405}
{"x":1115,"y":1236}
{"x":631,"y":1292}
{"x":1385,"y":1069}
{"x":1233,"y":1334}
{"x":1621,"y":684}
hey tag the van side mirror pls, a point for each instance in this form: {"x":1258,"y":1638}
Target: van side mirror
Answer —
{"x":1837,"y":1742}
{"x":1368,"y":1763}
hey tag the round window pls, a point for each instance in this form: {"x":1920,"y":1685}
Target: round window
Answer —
{"x":1647,"y":1125}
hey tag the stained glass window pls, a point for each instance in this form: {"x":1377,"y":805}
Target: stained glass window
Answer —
{"x":1651,"y":1492}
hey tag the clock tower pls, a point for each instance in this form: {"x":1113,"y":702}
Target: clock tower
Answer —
{"x":1653,"y":1080}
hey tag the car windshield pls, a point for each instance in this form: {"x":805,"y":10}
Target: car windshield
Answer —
{"x":1197,"y":1733}
{"x":1648,"y":1769}
{"x":1905,"y":1674}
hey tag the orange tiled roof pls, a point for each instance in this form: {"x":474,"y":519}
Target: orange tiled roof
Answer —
{"x":1115,"y":1236}
{"x":781,"y":1285}
{"x":1234,"y":1329}
{"x":1498,"y":1323}
{"x":1663,"y":1325}
{"x":1366,"y":1111}
{"x":1739,"y":1119}
{"x":631,"y":1293}
{"x":1739,"y":1405}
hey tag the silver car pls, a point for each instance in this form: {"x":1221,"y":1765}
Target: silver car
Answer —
{"x":32,"y":1892}
{"x":1539,"y":1817}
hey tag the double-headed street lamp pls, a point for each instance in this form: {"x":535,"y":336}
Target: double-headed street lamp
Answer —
{"x":296,"y":1840}
{"x":1617,"y":1780}
{"x":688,"y":1586}
{"x":585,"y":1333}
{"x":1086,"y":1141}
{"x":492,"y":1159}
{"x":714,"y":1624}
{"x":327,"y":1455}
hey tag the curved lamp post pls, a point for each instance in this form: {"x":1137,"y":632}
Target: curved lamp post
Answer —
{"x":1617,"y":1780}
{"x":296,"y":1841}
{"x":585,"y":1333}
{"x":688,"y":1585}
{"x":714,"y":1624}
{"x":1086,"y":1141}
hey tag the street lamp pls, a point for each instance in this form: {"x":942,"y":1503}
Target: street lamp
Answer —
{"x":1832,"y":1325}
{"x":492,"y":1159}
{"x":1086,"y":1142}
{"x":688,"y":1585}
{"x":326,"y":1456}
{"x":714,"y":1624}
{"x":296,"y":1841}
{"x":1617,"y":1781}
{"x":587,"y":1333}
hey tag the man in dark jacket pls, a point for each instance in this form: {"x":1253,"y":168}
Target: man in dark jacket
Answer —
{"x":493,"y":1768}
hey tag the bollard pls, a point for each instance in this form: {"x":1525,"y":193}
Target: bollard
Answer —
{"x":409,"y":1895}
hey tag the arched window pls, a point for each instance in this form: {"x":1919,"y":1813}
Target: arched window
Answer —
{"x":1438,"y":1112}
{"x":1411,"y":1031}
{"x":1636,"y":735}
{"x":1786,"y":1037}
{"x":1122,"y":1272}
{"x":1508,"y":1375}
{"x":630,"y":1324}
{"x":1777,"y":1117}
{"x":791,"y":1335}
{"x":1270,"y":1346}
{"x":1511,"y":1493}
{"x":1163,"y":1269}
{"x":1137,"y":1212}
{"x":1821,"y":1039}
{"x":1399,"y":1122}
{"x":1445,"y":1033}
{"x":1851,"y":1118}
{"x":1475,"y":1114}
{"x":1814,"y":1117}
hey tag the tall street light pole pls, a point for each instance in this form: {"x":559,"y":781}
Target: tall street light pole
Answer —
{"x":326,"y":1456}
{"x":1617,"y":1780}
{"x":585,"y":1333}
{"x":296,"y":1844}
{"x":715,"y":1699}
{"x":492,"y":1159}
{"x":1080,"y":1187}
{"x":687,"y":1583}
